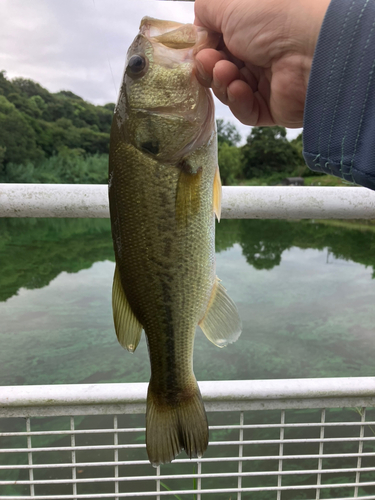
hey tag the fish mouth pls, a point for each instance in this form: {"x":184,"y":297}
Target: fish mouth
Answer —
{"x":178,"y":36}
{"x":169,"y":33}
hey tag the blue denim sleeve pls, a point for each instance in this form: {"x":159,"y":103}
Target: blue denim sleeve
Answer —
{"x":339,"y":120}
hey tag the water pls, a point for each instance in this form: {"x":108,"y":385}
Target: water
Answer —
{"x":305,"y":292}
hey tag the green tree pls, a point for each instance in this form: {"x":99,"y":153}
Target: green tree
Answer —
{"x":230,"y":163}
{"x":69,"y":94}
{"x":298,"y":144}
{"x":6,"y":87}
{"x":105,"y":115}
{"x":267,"y":151}
{"x":2,"y":166}
{"x":62,"y":133}
{"x":227,"y":132}
{"x":110,"y":106}
{"x":16,"y":135}
{"x":229,"y":156}
{"x":38,"y":105}
{"x":94,"y":142}
{"x":303,"y":169}
{"x":46,"y":122}
{"x":89,"y":115}
{"x":30,"y":88}
{"x":24,"y":105}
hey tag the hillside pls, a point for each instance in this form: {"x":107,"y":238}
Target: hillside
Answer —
{"x":61,"y":138}
{"x":37,"y":125}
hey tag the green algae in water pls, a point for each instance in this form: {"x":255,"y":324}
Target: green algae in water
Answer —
{"x":305,"y":292}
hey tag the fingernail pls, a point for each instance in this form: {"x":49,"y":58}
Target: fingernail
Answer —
{"x":202,"y":73}
{"x":231,"y":97}
{"x":215,"y":82}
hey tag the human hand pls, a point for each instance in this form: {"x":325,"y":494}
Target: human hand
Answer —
{"x":262,"y":68}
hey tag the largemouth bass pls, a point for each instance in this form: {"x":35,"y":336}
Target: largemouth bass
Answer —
{"x":164,"y":188}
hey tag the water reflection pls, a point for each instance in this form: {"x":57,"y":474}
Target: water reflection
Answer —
{"x":264,"y":241}
{"x":35,"y":251}
{"x":304,"y":290}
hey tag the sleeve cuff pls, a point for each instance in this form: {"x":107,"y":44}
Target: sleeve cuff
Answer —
{"x":339,"y":120}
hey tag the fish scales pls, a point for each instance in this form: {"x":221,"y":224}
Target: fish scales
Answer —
{"x":163,"y":171}
{"x":160,"y":263}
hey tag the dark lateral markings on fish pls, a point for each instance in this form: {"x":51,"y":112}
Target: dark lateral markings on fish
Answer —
{"x":164,"y":193}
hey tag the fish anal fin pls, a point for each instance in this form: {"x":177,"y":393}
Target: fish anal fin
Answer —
{"x":188,"y":194}
{"x":221,"y":323}
{"x":217,"y":194}
{"x":128,"y":328}
{"x":172,"y":428}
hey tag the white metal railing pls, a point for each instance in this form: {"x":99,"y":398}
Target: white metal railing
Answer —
{"x":275,"y":439}
{"x":270,"y":202}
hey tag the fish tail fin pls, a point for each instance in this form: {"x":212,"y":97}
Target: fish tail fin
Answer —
{"x":172,"y":428}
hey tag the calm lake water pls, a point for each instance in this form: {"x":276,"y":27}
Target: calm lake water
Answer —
{"x":305,"y":292}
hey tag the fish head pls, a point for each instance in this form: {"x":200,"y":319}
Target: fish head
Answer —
{"x":163,"y":110}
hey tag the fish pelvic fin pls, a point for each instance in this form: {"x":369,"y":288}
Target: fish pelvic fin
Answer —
{"x":128,"y":328}
{"x":217,"y":194}
{"x":171,"y":428}
{"x":221,"y":323}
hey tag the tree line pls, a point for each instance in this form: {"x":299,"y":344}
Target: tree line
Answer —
{"x":61,"y":138}
{"x":51,"y":137}
{"x":266,"y":155}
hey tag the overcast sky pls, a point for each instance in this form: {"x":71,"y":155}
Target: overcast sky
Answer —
{"x":81,"y":45}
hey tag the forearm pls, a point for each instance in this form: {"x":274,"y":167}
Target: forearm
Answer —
{"x":339,"y":118}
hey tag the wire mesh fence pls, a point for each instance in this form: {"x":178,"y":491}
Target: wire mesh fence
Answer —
{"x":271,"y":453}
{"x":307,"y":439}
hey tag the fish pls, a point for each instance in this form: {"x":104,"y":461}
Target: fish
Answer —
{"x":164,"y":192}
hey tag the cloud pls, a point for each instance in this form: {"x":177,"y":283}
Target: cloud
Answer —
{"x":76,"y":45}
{"x":80,"y":45}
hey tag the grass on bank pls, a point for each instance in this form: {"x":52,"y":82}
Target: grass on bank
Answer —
{"x":314,"y":180}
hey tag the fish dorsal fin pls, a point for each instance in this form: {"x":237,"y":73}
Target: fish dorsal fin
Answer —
{"x":128,"y":328}
{"x":217,"y":194}
{"x":188,"y":195}
{"x":221,"y":323}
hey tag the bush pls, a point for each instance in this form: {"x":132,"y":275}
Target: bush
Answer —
{"x":230,"y":159}
{"x":67,"y":167}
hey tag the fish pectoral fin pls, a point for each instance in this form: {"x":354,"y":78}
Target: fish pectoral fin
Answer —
{"x":221,"y":324}
{"x":128,"y":328}
{"x":188,"y":194}
{"x":217,"y":194}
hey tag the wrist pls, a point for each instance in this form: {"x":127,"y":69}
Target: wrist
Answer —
{"x":313,"y":12}
{"x":302,"y":32}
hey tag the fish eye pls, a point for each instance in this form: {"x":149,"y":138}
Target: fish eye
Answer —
{"x":136,"y":66}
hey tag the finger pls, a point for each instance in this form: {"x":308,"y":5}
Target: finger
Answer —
{"x":224,"y":73}
{"x":247,"y":106}
{"x":251,"y":77}
{"x":238,"y":62}
{"x":205,"y":61}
